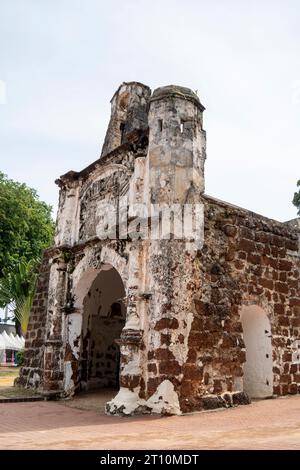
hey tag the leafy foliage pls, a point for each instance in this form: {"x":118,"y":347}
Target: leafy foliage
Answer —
{"x":20,"y":358}
{"x":26,"y":226}
{"x":296,"y":200}
{"x":17,"y":290}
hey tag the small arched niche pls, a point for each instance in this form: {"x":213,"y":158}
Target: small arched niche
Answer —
{"x":258,"y":368}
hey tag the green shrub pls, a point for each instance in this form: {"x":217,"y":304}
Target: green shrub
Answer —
{"x":20,"y":358}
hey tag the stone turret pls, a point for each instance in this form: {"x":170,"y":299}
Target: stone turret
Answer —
{"x":177,"y":145}
{"x":128,"y":113}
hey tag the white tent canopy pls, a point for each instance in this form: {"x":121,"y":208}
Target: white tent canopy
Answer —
{"x":12,"y":342}
{"x":9,"y":346}
{"x":19,"y":341}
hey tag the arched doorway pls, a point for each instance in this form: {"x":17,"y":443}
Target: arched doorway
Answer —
{"x":258,"y":368}
{"x":103,"y":318}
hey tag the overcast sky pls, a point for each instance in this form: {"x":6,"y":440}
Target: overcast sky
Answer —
{"x":62,"y":60}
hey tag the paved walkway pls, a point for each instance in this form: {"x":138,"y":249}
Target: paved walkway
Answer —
{"x":94,"y":400}
{"x":269,"y":424}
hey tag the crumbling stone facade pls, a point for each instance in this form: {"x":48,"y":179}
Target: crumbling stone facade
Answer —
{"x":178,"y":324}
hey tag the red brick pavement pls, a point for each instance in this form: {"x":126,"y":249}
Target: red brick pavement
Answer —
{"x":269,"y":424}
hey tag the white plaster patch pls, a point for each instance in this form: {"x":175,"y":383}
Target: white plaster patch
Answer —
{"x":35,"y":379}
{"x":74,"y":330}
{"x":132,"y":367}
{"x":66,"y":218}
{"x":165,"y":399}
{"x":125,"y":401}
{"x":133,"y":322}
{"x":181,"y":350}
{"x":295,"y":347}
{"x":68,"y":382}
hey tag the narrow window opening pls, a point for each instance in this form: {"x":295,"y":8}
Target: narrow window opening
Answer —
{"x":181,"y":127}
{"x":160,"y":125}
{"x":122,"y":129}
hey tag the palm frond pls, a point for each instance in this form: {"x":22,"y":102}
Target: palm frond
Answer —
{"x":17,"y":290}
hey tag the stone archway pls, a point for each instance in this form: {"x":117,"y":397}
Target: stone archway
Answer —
{"x":258,"y":368}
{"x":93,"y":327}
{"x":103,"y":319}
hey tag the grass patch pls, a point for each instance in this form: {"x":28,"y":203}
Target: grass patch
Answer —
{"x":9,"y":373}
{"x":16,"y":392}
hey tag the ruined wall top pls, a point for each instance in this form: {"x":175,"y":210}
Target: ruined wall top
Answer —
{"x":178,"y":92}
{"x":129,"y":106}
{"x":294,"y":223}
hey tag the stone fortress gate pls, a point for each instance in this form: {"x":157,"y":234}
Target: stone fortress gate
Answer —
{"x":177,"y":300}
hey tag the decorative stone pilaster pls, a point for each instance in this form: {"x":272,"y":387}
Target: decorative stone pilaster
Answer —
{"x":55,"y":325}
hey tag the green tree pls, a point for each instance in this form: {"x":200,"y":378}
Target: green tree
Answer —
{"x":17,"y":290}
{"x":296,"y":200}
{"x":26,"y":226}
